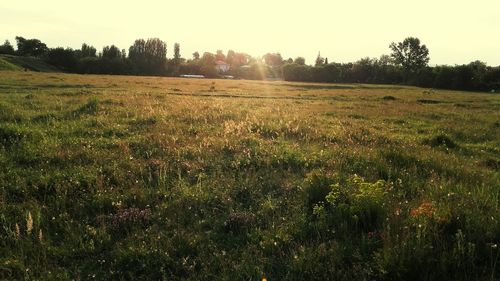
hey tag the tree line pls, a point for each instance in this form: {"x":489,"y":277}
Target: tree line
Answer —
{"x":143,"y":57}
{"x":406,"y":64}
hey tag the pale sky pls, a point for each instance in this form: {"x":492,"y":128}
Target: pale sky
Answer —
{"x":455,"y":31}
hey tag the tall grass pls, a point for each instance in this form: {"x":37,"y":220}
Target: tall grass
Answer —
{"x":118,"y":178}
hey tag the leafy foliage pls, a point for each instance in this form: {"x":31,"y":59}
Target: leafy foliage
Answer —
{"x":410,"y":54}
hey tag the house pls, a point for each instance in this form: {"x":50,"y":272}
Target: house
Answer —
{"x":221,"y":66}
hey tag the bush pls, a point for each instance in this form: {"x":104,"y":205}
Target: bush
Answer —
{"x":441,"y":141}
{"x":354,"y":207}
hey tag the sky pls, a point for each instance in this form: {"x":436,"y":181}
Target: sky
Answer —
{"x":455,"y":31}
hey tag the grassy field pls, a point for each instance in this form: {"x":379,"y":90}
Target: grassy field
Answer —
{"x":145,"y":178}
{"x":19,"y":63}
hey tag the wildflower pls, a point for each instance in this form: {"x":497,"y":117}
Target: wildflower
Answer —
{"x":18,"y":231}
{"x":29,"y":223}
{"x":425,"y":209}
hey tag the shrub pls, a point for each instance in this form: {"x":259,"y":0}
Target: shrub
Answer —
{"x":317,"y":188}
{"x":441,"y":140}
{"x":352,"y":207}
{"x":10,"y":136}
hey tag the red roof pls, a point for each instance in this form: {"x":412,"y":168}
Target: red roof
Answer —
{"x":219,"y":62}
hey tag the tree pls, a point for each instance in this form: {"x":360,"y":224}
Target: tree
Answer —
{"x":220,"y":56}
{"x":385,"y":60}
{"x":273,"y":59}
{"x":297,"y":72}
{"x":87,"y":51}
{"x":326,"y":60}
{"x":319,"y":60}
{"x":177,"y":54}
{"x":111,"y":52}
{"x":238,"y":59}
{"x":410,"y":54}
{"x":30,"y":47}
{"x":230,"y":57}
{"x":207,"y":64}
{"x":300,"y":60}
{"x":196,"y":56}
{"x":7,"y":48}
{"x":362,"y":71}
{"x":65,"y":59}
{"x":148,"y":57}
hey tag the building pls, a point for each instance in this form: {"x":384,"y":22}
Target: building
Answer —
{"x":221,"y":66}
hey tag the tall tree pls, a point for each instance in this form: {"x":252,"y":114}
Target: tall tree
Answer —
{"x":111,"y":52}
{"x":88,"y":51}
{"x":7,"y":48}
{"x":319,"y":60}
{"x":148,"y":57}
{"x":30,"y":47}
{"x":177,"y":53}
{"x":410,"y":54}
{"x":196,"y":56}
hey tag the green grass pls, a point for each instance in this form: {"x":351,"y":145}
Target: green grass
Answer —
{"x":12,"y":63}
{"x":148,"y":178}
{"x":6,"y":65}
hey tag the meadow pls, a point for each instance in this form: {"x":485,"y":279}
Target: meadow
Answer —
{"x":150,"y":178}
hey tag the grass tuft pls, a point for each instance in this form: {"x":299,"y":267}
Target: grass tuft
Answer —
{"x":441,"y":141}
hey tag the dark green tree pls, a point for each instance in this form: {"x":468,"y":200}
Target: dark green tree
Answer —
{"x":87,"y":51}
{"x":30,"y":47}
{"x":148,"y":57}
{"x":111,"y":52}
{"x":410,"y":54}
{"x":7,"y":48}
{"x":64,"y":59}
